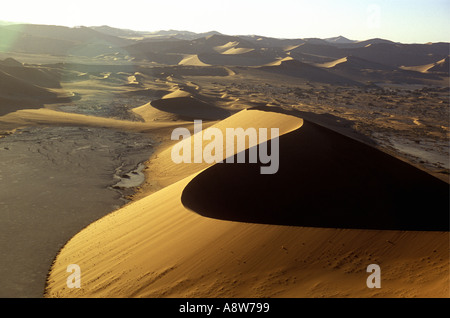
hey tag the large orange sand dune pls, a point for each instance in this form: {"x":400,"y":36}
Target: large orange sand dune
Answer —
{"x":157,"y":247}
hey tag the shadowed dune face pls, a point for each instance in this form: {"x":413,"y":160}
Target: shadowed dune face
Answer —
{"x":190,"y":107}
{"x":40,"y":76}
{"x":294,"y":68}
{"x":16,"y":93}
{"x":324,"y":180}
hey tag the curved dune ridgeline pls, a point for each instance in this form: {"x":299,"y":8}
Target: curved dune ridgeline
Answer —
{"x":291,"y":67}
{"x":325,"y":180}
{"x":158,"y":247}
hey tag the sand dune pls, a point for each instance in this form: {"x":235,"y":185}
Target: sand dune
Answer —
{"x":375,"y":50}
{"x":10,"y":62}
{"x":192,"y":60}
{"x":226,"y":46}
{"x":168,"y":173}
{"x":187,"y":70}
{"x":190,"y":108}
{"x":237,"y":57}
{"x":183,"y":103}
{"x":156,"y":247}
{"x":290,"y":47}
{"x":48,"y":117}
{"x":15,"y":88}
{"x":279,"y":62}
{"x":80,"y":35}
{"x":440,"y":66}
{"x":220,"y":43}
{"x":17,"y":41}
{"x":58,"y":40}
{"x":321,"y":49}
{"x":356,"y":63}
{"x":177,"y":92}
{"x":235,"y":50}
{"x":335,"y":188}
{"x":205,"y":45}
{"x":17,"y":93}
{"x":399,"y":54}
{"x":333,"y":63}
{"x":232,"y":48}
{"x":37,"y":75}
{"x":292,"y":67}
{"x":149,"y":113}
{"x":339,"y":40}
{"x":335,"y":205}
{"x":419,"y":68}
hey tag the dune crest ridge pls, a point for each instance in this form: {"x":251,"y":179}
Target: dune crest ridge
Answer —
{"x":156,"y":247}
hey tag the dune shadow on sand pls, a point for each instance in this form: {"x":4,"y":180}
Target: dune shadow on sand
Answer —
{"x":325,"y":179}
{"x":190,"y":107}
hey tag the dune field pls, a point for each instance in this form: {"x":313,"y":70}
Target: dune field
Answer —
{"x":360,"y":165}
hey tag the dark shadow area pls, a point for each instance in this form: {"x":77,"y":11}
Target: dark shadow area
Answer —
{"x":190,"y":107}
{"x":325,"y":179}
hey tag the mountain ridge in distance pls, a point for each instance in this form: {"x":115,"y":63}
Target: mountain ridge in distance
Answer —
{"x":105,"y":44}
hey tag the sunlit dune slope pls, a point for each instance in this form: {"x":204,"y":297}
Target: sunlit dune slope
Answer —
{"x":166,"y":172}
{"x":441,"y":66}
{"x":156,"y":247}
{"x":180,"y":105}
{"x":232,"y":48}
{"x":192,"y":60}
{"x":47,"y":117}
{"x":149,"y":113}
{"x":294,"y":68}
{"x":356,"y":63}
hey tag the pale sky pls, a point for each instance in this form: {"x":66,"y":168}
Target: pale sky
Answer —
{"x":407,"y":21}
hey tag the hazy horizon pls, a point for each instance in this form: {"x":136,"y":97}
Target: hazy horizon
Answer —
{"x":402,"y":21}
{"x":4,"y":23}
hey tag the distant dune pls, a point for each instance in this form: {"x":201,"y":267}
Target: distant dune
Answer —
{"x":212,"y":48}
{"x":36,"y":74}
{"x":10,"y":62}
{"x":356,"y":63}
{"x":18,"y":88}
{"x":237,"y":57}
{"x":192,"y":60}
{"x":180,"y":104}
{"x":190,"y":107}
{"x":291,"y":67}
{"x":232,"y":48}
{"x":340,"y":40}
{"x":441,"y":66}
{"x":149,"y":113}
{"x":332,"y":63}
